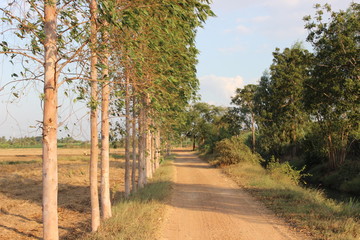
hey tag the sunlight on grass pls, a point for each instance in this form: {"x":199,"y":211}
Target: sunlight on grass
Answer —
{"x":308,"y":209}
{"x":139,"y":216}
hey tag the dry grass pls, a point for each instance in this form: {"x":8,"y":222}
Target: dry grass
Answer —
{"x":308,"y":210}
{"x":20,"y":192}
{"x":140,"y":216}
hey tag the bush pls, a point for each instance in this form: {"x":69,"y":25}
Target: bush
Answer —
{"x":284,"y":172}
{"x":352,"y":186}
{"x":233,"y":150}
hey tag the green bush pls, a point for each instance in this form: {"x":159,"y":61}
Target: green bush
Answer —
{"x":346,"y":178}
{"x":233,"y":150}
{"x":352,"y":186}
{"x":284,"y":172}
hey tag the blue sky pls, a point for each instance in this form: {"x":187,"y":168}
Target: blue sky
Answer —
{"x":236,"y":47}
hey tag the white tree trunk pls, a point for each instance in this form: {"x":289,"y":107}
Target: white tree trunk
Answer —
{"x":127,"y":137}
{"x":49,"y":150}
{"x":105,"y":131}
{"x":133,"y":173}
{"x":94,"y":194}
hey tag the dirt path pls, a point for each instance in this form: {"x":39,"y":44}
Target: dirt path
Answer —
{"x":208,"y":205}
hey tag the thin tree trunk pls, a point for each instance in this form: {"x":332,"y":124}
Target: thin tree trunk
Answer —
{"x":148,"y":142}
{"x":158,"y":148}
{"x":105,"y":132}
{"x":94,"y":152}
{"x":194,"y":142}
{"x":253,"y":132}
{"x":142,"y":143}
{"x":133,"y":173}
{"x":127,"y":137}
{"x":153,"y":151}
{"x":49,"y":150}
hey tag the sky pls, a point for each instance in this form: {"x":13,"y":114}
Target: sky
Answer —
{"x":236,"y":46}
{"x":235,"y":49}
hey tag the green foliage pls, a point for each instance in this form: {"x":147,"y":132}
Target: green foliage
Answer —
{"x":233,"y":150}
{"x":284,"y":171}
{"x":344,"y":178}
{"x":278,"y":101}
{"x":332,"y":94}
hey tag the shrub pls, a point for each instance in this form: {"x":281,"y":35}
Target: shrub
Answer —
{"x":233,"y":150}
{"x":284,"y":171}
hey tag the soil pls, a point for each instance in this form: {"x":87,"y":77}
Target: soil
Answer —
{"x":205,"y":204}
{"x":20,"y":192}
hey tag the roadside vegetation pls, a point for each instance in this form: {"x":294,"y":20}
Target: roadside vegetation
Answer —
{"x":281,"y":188}
{"x":139,"y":216}
{"x":304,"y":111}
{"x":296,"y":134}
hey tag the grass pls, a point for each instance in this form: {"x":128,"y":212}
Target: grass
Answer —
{"x":139,"y":217}
{"x":306,"y":209}
{"x":18,"y":162}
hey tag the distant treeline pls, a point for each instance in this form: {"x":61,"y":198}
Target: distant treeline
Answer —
{"x":36,"y":142}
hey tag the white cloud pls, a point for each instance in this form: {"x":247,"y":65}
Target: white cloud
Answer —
{"x":242,"y":29}
{"x":218,"y":90}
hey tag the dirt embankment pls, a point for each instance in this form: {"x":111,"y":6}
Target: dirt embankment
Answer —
{"x":207,"y":205}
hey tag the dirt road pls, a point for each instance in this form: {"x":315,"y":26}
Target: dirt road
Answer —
{"x":207,"y":205}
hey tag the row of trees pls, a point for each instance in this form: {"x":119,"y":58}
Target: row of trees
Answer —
{"x":135,"y":60}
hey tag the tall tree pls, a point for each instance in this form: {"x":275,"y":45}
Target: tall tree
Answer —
{"x":94,"y":195}
{"x":58,"y":45}
{"x":244,"y":99}
{"x":50,"y":174}
{"x":105,"y":126}
{"x":278,"y":100}
{"x":332,"y":94}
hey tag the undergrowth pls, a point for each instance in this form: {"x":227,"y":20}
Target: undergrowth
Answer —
{"x":139,"y":216}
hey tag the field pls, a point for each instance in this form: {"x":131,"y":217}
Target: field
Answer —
{"x":20,"y":191}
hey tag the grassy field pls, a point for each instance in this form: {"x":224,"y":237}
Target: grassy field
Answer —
{"x":307,"y":210}
{"x":20,"y":191}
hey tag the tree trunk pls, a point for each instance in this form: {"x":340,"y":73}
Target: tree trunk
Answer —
{"x":153,"y":152}
{"x":105,"y":131}
{"x":253,"y":132}
{"x":127,"y":137}
{"x":293,"y":140}
{"x":142,"y":143}
{"x":157,"y":149}
{"x":94,"y":195}
{"x":194,"y":143}
{"x":49,"y":150}
{"x":147,"y":130}
{"x":133,"y":173}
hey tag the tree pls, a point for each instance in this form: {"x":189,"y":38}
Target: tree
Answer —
{"x":94,"y":195}
{"x":279,"y":100}
{"x":332,"y":94}
{"x":244,"y":99}
{"x":58,"y":45}
{"x":50,"y":174}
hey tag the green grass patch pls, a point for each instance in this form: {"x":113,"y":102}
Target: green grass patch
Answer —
{"x":18,"y":162}
{"x":139,"y":217}
{"x":305,"y":208}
